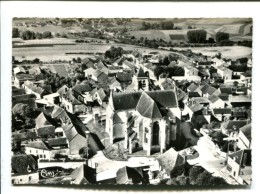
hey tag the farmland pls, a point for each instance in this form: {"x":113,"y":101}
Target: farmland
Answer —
{"x":229,"y":52}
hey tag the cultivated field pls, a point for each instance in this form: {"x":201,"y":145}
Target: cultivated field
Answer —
{"x":229,"y":52}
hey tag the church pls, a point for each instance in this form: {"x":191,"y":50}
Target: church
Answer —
{"x":143,"y":120}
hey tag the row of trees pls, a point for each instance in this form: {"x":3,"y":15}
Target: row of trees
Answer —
{"x":168,"y":71}
{"x":164,"y":25}
{"x":29,"y":35}
{"x":114,"y":52}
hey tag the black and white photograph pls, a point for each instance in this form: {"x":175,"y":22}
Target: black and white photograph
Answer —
{"x":160,"y":101}
{"x":133,"y":97}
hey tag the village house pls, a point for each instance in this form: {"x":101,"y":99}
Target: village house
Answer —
{"x":191,"y":108}
{"x":38,"y":91}
{"x":96,"y":75}
{"x":244,"y":137}
{"x":89,"y":63}
{"x":217,"y":62}
{"x":225,"y":73}
{"x":78,"y":135}
{"x":141,"y":119}
{"x":114,"y":85}
{"x":232,"y":126}
{"x":53,"y":98}
{"x":35,"y":70}
{"x":204,"y":64}
{"x":45,"y":126}
{"x":80,"y":90}
{"x":216,"y":102}
{"x":125,"y":79}
{"x":72,"y":104}
{"x":24,"y":169}
{"x":20,"y":78}
{"x":208,"y":90}
{"x":40,"y":149}
{"x":222,"y":113}
{"x":239,"y":166}
{"x":83,"y":175}
{"x":19,"y":69}
{"x":190,"y":71}
{"x":194,"y":90}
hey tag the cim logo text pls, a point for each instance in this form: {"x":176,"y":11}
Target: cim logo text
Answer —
{"x":46,"y":173}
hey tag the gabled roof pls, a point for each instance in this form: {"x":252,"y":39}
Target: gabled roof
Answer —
{"x":128,"y":175}
{"x":63,"y":90}
{"x":120,"y":99}
{"x":204,"y":63}
{"x":225,"y":90}
{"x":43,"y":120}
{"x":116,"y":118}
{"x":180,"y":94}
{"x":100,"y":65}
{"x":69,"y":96}
{"x":170,"y":159}
{"x":238,"y":124}
{"x":82,"y":88}
{"x":200,"y":100}
{"x":193,"y":94}
{"x":88,"y":62}
{"x":83,"y":175}
{"x":39,"y":145}
{"x":238,"y":157}
{"x":19,"y":69}
{"x":222,"y":111}
{"x":73,"y":126}
{"x":140,"y":73}
{"x":207,"y":89}
{"x":192,"y":87}
{"x":60,"y":69}
{"x":33,"y":87}
{"x":168,"y":84}
{"x":101,"y":94}
{"x":24,"y":76}
{"x":57,"y":141}
{"x":194,"y":106}
{"x":147,"y":107}
{"x":124,"y":77}
{"x":89,"y":71}
{"x":247,"y":131}
{"x":213,"y":98}
{"x":165,"y":98}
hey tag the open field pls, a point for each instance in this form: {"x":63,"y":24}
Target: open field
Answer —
{"x":229,"y":52}
{"x":57,"y":52}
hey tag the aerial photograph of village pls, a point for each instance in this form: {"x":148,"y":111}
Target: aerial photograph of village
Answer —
{"x":131,"y":101}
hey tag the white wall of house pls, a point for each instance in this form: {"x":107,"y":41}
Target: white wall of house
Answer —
{"x":233,"y":168}
{"x":218,"y":104}
{"x":26,"y":178}
{"x":29,"y":91}
{"x":68,"y":105}
{"x":243,"y":142}
{"x":42,"y":154}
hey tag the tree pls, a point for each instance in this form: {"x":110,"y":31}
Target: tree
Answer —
{"x":220,"y":36}
{"x":211,"y":40}
{"x":197,"y":36}
{"x":194,"y":173}
{"x":15,"y":33}
{"x":218,"y":55}
{"x":38,"y":35}
{"x":166,"y":25}
{"x":27,"y":35}
{"x":158,"y":71}
{"x":46,"y":34}
{"x":203,"y":178}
